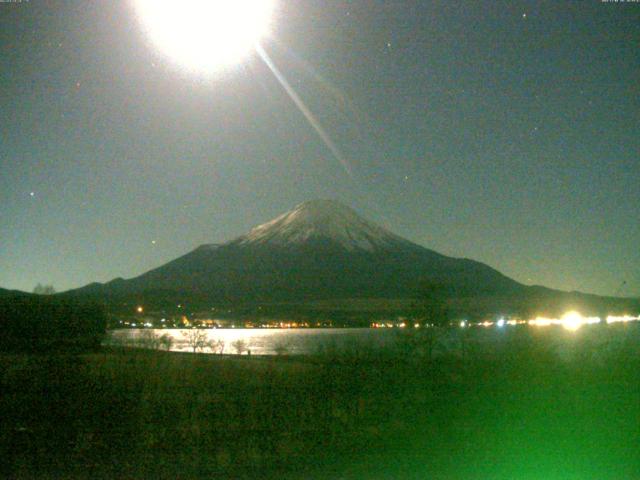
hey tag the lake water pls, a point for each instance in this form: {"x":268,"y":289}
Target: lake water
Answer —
{"x":261,"y":341}
{"x":309,"y":341}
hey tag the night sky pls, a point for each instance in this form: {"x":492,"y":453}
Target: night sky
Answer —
{"x":503,"y":131}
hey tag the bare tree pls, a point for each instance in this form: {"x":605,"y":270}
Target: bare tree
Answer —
{"x":240,"y":346}
{"x":196,"y":339}
{"x":217,"y":346}
{"x":44,"y":289}
{"x":433,"y":318}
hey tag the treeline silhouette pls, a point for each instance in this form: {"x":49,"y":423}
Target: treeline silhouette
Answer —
{"x":33,"y":323}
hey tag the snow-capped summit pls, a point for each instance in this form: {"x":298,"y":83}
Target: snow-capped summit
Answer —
{"x":325,"y":220}
{"x":320,"y":250}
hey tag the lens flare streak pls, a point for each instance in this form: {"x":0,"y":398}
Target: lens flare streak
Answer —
{"x":304,"y":109}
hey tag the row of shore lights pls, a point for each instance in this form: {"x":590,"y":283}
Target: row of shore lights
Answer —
{"x":570,"y":321}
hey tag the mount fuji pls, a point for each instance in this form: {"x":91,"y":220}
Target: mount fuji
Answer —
{"x":321,"y":251}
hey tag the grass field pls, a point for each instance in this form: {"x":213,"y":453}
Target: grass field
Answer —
{"x":517,"y":412}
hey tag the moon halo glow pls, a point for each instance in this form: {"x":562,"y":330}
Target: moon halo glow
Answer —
{"x":205,"y":35}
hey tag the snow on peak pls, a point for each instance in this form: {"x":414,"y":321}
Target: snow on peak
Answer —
{"x":322,"y":219}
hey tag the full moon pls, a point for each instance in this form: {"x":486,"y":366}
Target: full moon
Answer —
{"x":205,"y":35}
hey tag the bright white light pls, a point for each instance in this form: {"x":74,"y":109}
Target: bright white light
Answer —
{"x":205,"y":35}
{"x":500,"y":323}
{"x":572,"y":321}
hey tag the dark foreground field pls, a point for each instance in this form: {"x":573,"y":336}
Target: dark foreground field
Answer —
{"x":518,"y":412}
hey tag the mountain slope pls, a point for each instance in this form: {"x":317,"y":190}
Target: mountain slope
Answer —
{"x":319,"y":250}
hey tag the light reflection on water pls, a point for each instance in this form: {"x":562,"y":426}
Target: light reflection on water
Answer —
{"x":261,"y":341}
{"x":598,"y":338}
